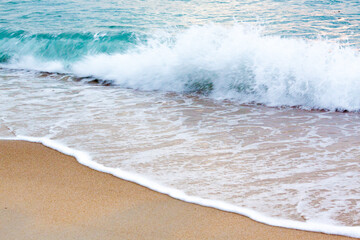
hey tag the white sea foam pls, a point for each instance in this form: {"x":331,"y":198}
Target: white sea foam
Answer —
{"x":85,"y":159}
{"x":236,"y":62}
{"x":240,"y":63}
{"x":31,"y":63}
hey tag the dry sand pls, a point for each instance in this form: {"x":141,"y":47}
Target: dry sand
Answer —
{"x":47,"y":195}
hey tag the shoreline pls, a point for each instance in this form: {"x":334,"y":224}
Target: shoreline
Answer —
{"x":49,"y":195}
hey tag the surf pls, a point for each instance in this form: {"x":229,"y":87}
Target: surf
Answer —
{"x":237,"y":62}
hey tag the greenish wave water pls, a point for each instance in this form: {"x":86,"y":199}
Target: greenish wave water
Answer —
{"x":66,"y":46}
{"x":68,"y":30}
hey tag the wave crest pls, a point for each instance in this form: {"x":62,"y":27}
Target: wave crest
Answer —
{"x":237,"y":62}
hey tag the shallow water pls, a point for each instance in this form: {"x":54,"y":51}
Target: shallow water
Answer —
{"x":230,"y":101}
{"x":283,"y":162}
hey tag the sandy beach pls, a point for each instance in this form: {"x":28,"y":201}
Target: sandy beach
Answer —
{"x":48,"y":195}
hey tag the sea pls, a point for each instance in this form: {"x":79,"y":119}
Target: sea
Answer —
{"x":247,"y":106}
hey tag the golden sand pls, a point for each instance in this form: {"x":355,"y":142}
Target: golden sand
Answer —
{"x":47,"y":195}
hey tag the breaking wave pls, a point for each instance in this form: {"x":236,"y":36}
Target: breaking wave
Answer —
{"x":237,"y":62}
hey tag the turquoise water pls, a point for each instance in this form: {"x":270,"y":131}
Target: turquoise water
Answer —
{"x":275,"y":53}
{"x":212,"y":102}
{"x":67,"y":30}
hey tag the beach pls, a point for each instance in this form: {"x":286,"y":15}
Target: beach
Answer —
{"x":179,"y":119}
{"x":49,"y":195}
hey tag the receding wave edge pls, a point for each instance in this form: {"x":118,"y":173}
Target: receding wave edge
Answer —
{"x":85,"y":159}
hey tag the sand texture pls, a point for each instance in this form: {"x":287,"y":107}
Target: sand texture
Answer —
{"x":47,"y":195}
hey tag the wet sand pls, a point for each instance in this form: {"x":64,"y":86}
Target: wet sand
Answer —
{"x":47,"y":195}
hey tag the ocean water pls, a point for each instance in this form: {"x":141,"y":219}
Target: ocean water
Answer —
{"x":246,"y":106}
